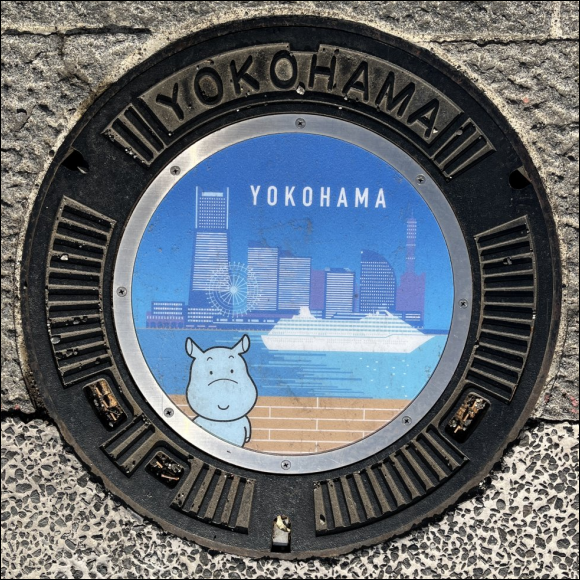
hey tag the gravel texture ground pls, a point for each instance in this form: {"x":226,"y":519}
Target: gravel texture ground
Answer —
{"x":58,"y":523}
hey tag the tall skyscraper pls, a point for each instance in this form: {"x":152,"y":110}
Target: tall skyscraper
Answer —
{"x":339,"y":291}
{"x":411,"y":290}
{"x":317,"y":283}
{"x":263,"y":261}
{"x":293,"y":281}
{"x":377,"y":283}
{"x":211,"y":247}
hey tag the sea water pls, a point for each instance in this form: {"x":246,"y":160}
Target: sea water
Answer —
{"x":297,"y":373}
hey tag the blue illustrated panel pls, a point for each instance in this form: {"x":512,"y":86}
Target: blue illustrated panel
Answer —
{"x":318,"y":252}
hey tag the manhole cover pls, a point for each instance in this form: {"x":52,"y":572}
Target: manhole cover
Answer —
{"x":298,"y":280}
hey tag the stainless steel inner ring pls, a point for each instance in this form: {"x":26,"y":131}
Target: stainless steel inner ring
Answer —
{"x":270,"y":125}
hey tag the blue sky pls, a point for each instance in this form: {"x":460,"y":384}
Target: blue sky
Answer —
{"x":331,"y":236}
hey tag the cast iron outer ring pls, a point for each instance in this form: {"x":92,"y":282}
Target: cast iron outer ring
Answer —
{"x":41,"y":378}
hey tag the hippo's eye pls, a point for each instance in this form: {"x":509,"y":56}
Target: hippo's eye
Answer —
{"x":211,"y":372}
{"x":232,"y":371}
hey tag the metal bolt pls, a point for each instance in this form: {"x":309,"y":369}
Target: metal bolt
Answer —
{"x":285,"y":464}
{"x":175,"y":170}
{"x":420,"y":178}
{"x":300,"y":123}
{"x":407,"y":420}
{"x":463,"y":303}
{"x":168,"y":412}
{"x":121,"y":291}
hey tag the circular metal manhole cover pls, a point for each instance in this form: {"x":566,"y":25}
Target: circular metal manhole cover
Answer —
{"x":298,"y":284}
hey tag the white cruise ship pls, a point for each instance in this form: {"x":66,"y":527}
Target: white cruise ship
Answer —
{"x":380,"y":332}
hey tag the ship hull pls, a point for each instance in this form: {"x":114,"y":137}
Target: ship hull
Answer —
{"x":392,"y":344}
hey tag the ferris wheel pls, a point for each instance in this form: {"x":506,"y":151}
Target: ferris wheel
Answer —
{"x":233,"y":289}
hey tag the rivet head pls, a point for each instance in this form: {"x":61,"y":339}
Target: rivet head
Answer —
{"x":420,"y":178}
{"x":300,"y":123}
{"x":175,"y":170}
{"x":122,"y":291}
{"x":463,"y":303}
{"x":407,"y":420}
{"x":285,"y":464}
{"x":168,"y":412}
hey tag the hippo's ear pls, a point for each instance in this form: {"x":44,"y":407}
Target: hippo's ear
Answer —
{"x":192,"y":349}
{"x":243,"y":345}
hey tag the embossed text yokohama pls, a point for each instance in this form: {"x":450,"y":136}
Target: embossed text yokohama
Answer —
{"x":262,"y":486}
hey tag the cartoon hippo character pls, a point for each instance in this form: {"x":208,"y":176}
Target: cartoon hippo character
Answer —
{"x":221,"y":390}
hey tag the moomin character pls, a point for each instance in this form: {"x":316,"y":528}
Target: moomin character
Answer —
{"x":221,"y":390}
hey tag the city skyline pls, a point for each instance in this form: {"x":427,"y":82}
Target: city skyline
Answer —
{"x":323,"y":237}
{"x":283,"y":282}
